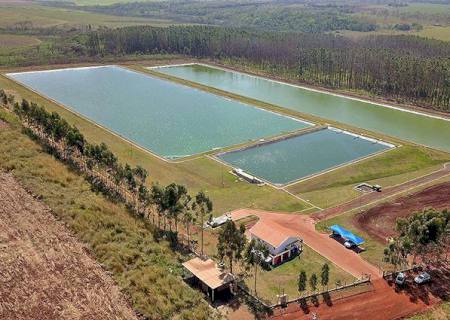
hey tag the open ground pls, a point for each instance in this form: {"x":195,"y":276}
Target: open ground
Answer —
{"x":46,"y":272}
{"x":379,"y":221}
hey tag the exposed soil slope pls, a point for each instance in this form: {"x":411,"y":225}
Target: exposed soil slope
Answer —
{"x":45,"y":273}
{"x":379,"y":221}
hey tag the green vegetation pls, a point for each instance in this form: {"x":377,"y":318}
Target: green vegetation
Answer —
{"x":391,"y":168}
{"x":118,"y":240}
{"x":424,"y":236}
{"x":21,"y":17}
{"x":231,"y":243}
{"x":267,"y":15}
{"x":284,"y":278}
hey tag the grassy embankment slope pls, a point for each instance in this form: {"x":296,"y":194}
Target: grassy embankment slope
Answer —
{"x":147,"y":271}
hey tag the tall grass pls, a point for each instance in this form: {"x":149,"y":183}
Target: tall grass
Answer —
{"x":148,"y":271}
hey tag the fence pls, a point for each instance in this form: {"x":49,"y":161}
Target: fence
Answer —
{"x":364,"y":279}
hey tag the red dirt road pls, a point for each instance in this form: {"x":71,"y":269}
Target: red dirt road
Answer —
{"x":377,"y":196}
{"x":303,"y":227}
{"x":382,"y":303}
{"x":379,"y":221}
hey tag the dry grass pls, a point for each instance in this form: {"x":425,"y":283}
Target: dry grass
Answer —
{"x":148,"y":271}
{"x":13,"y":41}
{"x":46,"y":272}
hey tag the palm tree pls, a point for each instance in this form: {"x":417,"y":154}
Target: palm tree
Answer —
{"x":202,"y":206}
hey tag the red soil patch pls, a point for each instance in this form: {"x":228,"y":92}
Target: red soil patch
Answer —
{"x":3,"y":124}
{"x":384,"y":302}
{"x":372,"y":197}
{"x":379,"y":221}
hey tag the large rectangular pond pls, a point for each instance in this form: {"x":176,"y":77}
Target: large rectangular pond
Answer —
{"x":433,"y":132}
{"x":291,"y":159}
{"x":169,"y":119}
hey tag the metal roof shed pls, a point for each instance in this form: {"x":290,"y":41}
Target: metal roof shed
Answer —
{"x":347,"y":235}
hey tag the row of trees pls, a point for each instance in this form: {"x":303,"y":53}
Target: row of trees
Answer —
{"x":324,"y":279}
{"x":405,"y":68}
{"x":168,"y":205}
{"x":422,"y":237}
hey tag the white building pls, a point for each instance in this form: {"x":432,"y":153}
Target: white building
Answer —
{"x":282,"y":246}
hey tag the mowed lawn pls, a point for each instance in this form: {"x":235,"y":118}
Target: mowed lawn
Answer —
{"x":284,"y":278}
{"x":390,"y":168}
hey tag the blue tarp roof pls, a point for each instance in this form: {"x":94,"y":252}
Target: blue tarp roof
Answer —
{"x":347,"y":235}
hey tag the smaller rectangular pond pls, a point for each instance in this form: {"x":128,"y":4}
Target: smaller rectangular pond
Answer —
{"x":284,"y":161}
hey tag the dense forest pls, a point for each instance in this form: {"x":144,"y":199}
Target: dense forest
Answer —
{"x":405,"y":68}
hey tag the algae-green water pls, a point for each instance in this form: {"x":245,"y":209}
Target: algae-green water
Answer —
{"x":294,"y":158}
{"x":409,"y":126}
{"x":169,"y":119}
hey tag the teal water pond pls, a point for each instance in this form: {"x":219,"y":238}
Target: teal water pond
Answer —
{"x":294,"y":158}
{"x":166,"y":118}
{"x":409,"y":126}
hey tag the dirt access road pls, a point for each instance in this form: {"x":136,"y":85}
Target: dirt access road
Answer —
{"x":382,"y":303}
{"x":303,"y":227}
{"x":45,"y":273}
{"x":379,"y":221}
{"x":373,"y":197}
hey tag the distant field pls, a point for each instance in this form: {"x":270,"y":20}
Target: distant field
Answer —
{"x":43,"y":16}
{"x":436,"y":32}
{"x":105,"y":2}
{"x":13,"y":41}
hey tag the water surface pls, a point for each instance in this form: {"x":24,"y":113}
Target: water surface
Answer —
{"x":404,"y":125}
{"x":169,"y":119}
{"x":301,"y":156}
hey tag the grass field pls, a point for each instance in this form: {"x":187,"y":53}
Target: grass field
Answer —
{"x":44,"y":16}
{"x":391,"y":168}
{"x":123,"y":244}
{"x":284,"y":278}
{"x":8,"y":41}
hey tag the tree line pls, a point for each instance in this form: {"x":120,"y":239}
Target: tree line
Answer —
{"x":402,"y":68}
{"x":164,"y":206}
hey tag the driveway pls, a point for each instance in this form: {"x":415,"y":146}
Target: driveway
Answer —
{"x":303,"y":227}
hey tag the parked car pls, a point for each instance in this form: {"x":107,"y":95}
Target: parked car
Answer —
{"x":422,"y":278}
{"x":400,"y":279}
{"x":349,"y":244}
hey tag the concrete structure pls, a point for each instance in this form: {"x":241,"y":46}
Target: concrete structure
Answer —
{"x":281,"y":246}
{"x":209,"y":277}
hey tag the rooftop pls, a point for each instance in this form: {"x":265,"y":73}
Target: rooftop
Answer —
{"x":274,"y":237}
{"x":208,"y":272}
